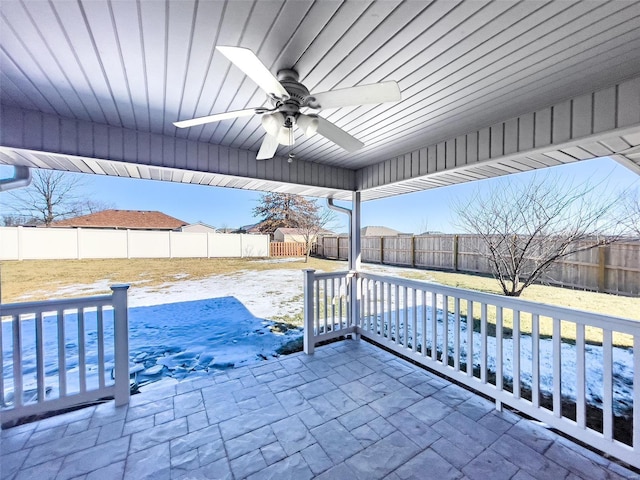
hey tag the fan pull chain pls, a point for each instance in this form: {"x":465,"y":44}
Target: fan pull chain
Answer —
{"x":291,"y":154}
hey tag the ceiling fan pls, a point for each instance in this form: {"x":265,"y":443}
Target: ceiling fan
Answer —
{"x":287,"y":96}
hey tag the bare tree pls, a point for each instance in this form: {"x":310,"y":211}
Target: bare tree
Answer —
{"x":311,"y":221}
{"x":526,"y":228}
{"x":281,"y":210}
{"x":12,"y":220}
{"x":51,"y":196}
{"x":276,"y":210}
{"x":631,"y":212}
{"x":89,"y":205}
{"x":423,"y":227}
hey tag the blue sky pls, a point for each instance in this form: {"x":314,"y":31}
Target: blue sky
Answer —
{"x":225,"y":207}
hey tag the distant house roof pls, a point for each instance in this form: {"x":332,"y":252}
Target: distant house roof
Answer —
{"x":379,"y":232}
{"x":198,"y":226}
{"x":200,"y":223}
{"x":124,"y":219}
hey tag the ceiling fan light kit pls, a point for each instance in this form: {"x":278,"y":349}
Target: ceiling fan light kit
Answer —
{"x":308,"y":124}
{"x":288,"y":96}
{"x":285,"y":136}
{"x":271,"y":122}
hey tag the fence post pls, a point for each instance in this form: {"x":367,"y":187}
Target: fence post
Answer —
{"x":78,"y":243}
{"x":121,"y":343}
{"x":381,"y":250}
{"x":455,"y":253}
{"x":308,"y":340}
{"x":19,"y":242}
{"x":602,"y":275}
{"x":413,"y":251}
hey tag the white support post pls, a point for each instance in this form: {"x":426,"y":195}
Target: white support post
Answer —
{"x":355,"y":244}
{"x":309,"y":341}
{"x":121,"y":343}
{"x":355,"y":261}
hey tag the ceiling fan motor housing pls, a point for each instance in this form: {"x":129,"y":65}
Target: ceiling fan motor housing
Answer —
{"x":298,"y":93}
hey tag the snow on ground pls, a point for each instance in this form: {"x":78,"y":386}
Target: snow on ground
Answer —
{"x":86,"y":289}
{"x":265,"y":294}
{"x":622,"y":358}
{"x":185,"y":328}
{"x":181,"y":328}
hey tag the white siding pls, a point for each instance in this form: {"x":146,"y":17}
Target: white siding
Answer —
{"x":598,"y":124}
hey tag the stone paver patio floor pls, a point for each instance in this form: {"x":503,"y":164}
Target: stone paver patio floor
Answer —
{"x":350,"y":411}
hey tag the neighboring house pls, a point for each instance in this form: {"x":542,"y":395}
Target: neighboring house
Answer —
{"x":198,"y":227}
{"x":379,"y":232}
{"x":295,"y":235}
{"x":124,"y":220}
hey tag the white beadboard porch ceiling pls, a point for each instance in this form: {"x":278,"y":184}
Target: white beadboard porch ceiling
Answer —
{"x":461,"y":66}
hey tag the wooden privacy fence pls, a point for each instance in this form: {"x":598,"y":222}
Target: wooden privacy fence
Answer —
{"x":332,"y":247}
{"x":287,"y":249}
{"x":612,"y":269}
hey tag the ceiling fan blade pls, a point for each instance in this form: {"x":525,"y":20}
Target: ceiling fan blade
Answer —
{"x":215,"y":118}
{"x":246,"y":60}
{"x":362,"y":95}
{"x":338,"y":136}
{"x":268,"y":147}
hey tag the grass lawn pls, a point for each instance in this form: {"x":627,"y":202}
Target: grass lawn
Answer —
{"x":41,"y":278}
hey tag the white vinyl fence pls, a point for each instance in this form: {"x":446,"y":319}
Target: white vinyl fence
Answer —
{"x":28,"y":243}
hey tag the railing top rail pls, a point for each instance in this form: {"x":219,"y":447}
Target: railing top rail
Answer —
{"x":619,"y":324}
{"x":54,"y":305}
{"x":333,"y":274}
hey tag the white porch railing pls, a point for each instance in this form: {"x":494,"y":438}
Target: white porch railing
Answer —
{"x":327,"y":310}
{"x":62,"y":353}
{"x":578,"y":372}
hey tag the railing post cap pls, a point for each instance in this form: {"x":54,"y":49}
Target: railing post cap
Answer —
{"x":120,"y":286}
{"x":309,"y":270}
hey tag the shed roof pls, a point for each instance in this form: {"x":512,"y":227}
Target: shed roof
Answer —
{"x":298,"y":231}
